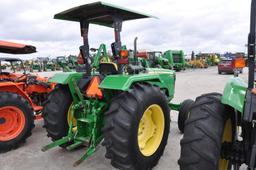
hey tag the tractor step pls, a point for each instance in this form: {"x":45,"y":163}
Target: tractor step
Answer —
{"x":89,"y":119}
{"x":83,"y":139}
{"x":84,"y":120}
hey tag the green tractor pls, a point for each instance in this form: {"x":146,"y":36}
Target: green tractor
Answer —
{"x":176,"y":58}
{"x":152,"y":59}
{"x":55,"y":63}
{"x":63,"y":63}
{"x":220,"y":131}
{"x":36,"y":65}
{"x":157,"y":60}
{"x":72,"y":61}
{"x":128,"y":110}
{"x":48,"y":64}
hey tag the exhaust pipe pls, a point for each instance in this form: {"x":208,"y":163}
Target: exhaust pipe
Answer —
{"x":135,"y":50}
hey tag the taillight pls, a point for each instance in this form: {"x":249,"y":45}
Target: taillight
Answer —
{"x":124,"y":53}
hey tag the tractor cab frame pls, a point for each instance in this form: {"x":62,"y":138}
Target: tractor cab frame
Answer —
{"x":12,"y":61}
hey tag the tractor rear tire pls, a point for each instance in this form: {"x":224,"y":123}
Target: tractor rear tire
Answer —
{"x":183,"y":113}
{"x":16,"y":114}
{"x":123,"y":122}
{"x":55,"y":113}
{"x":201,"y":143}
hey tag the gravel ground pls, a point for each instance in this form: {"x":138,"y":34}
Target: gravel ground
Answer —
{"x":189,"y":84}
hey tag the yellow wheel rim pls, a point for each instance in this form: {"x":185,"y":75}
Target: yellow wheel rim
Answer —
{"x":69,"y":118}
{"x":227,"y":137}
{"x":151,"y":130}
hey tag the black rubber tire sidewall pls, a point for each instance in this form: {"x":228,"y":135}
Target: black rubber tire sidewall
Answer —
{"x":145,"y":95}
{"x":201,"y":143}
{"x":144,"y":105}
{"x":183,"y":113}
{"x":55,"y":112}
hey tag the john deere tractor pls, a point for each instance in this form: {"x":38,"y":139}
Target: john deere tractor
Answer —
{"x":62,"y":63}
{"x":115,"y":101}
{"x":157,"y":60}
{"x":72,"y":61}
{"x":220,"y":131}
{"x":176,"y":58}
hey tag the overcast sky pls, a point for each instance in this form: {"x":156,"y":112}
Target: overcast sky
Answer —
{"x":199,"y":25}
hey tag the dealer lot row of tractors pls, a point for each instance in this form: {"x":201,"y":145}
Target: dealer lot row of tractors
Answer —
{"x":171,"y":59}
{"x":106,"y":101}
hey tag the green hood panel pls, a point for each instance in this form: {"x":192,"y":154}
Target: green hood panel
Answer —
{"x":234,"y":93}
{"x":164,"y":80}
{"x":123,"y":82}
{"x":65,"y":77}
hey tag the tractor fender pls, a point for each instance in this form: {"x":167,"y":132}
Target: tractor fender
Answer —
{"x":15,"y":88}
{"x":65,"y":77}
{"x":164,"y":81}
{"x":234,"y":94}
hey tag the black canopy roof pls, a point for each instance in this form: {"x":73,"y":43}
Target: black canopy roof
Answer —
{"x":99,"y":13}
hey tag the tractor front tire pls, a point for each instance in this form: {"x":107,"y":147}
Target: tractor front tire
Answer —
{"x":203,"y":134}
{"x":16,"y":120}
{"x":183,"y":113}
{"x":55,"y":112}
{"x":136,"y":128}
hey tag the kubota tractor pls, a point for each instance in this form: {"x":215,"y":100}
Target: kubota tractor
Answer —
{"x":121,"y":103}
{"x":220,"y":131}
{"x":21,"y":97}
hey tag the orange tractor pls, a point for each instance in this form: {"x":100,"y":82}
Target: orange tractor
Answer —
{"x":21,"y":97}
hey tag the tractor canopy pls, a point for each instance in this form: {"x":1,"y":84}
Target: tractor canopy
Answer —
{"x":15,"y":48}
{"x":10,"y":59}
{"x":100,"y":13}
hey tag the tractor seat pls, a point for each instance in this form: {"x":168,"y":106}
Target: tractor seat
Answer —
{"x":108,"y":68}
